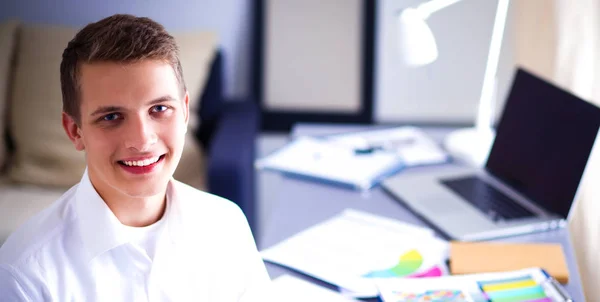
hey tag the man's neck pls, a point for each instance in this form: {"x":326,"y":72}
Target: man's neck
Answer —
{"x":133,"y":211}
{"x":138,"y":212}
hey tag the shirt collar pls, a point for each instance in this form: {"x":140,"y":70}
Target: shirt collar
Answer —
{"x":101,"y":229}
{"x":174,"y":212}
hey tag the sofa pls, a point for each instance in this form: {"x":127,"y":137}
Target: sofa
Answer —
{"x":37,"y":161}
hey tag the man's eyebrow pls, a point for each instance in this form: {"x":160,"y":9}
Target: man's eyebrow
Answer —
{"x":162,"y":99}
{"x":106,"y":109}
{"x":109,"y":109}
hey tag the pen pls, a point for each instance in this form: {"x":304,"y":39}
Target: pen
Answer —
{"x":558,"y":289}
{"x":392,"y":145}
{"x":367,"y":150}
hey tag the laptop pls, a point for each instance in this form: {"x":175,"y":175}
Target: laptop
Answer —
{"x":532,"y":174}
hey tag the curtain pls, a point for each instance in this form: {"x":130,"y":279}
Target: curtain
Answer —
{"x":578,"y":70}
{"x":560,"y":40}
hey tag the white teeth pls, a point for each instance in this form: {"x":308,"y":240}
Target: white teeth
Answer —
{"x":141,"y":163}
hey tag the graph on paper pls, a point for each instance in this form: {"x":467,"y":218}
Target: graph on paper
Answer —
{"x":409,"y":265}
{"x":353,"y":248}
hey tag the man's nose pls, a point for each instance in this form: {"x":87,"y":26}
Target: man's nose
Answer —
{"x":140,"y":134}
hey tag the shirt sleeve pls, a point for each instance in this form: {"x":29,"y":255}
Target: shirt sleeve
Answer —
{"x":10,"y":287}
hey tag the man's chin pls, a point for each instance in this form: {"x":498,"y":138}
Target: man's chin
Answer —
{"x":142,"y":188}
{"x":144,"y":192}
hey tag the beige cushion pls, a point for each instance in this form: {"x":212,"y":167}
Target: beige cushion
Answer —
{"x":44,"y":155}
{"x":192,"y":168}
{"x":196,"y":53}
{"x":7,"y":44}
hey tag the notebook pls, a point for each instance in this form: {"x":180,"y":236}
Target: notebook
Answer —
{"x":484,"y":257}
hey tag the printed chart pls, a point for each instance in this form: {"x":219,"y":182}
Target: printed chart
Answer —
{"x":408,"y":266}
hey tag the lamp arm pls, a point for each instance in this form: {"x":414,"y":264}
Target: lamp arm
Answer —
{"x":433,"y":6}
{"x":485,"y":112}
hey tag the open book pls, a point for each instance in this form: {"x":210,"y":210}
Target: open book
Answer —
{"x":532,"y":285}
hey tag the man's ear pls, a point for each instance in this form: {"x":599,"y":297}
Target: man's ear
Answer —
{"x":72,"y":130}
{"x":186,"y":112}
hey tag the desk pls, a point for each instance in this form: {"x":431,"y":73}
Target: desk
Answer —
{"x":302,"y":203}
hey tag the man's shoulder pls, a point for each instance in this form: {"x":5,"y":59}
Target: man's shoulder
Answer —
{"x":194,"y":199}
{"x":207,"y":208}
{"x":208,"y":219}
{"x":38,"y":231}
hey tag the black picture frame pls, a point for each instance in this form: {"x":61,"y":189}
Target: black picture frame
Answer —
{"x":281,"y":120}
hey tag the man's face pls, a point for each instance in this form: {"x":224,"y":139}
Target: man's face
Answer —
{"x":132,"y":128}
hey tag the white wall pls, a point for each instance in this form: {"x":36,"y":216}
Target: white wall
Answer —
{"x":231,"y":19}
{"x":448,"y":90}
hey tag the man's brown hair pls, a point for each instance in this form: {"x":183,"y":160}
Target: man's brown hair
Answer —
{"x":118,"y":38}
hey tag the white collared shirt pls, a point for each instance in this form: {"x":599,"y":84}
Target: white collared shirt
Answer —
{"x":146,"y":238}
{"x":76,"y":250}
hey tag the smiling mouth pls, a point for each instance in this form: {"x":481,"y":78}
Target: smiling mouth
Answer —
{"x":141,"y":163}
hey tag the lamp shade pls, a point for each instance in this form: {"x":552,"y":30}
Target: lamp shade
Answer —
{"x":416,"y":43}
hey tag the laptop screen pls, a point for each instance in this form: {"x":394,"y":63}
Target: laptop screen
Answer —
{"x":543,"y":142}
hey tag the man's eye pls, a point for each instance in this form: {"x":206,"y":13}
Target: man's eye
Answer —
{"x":159,"y":108}
{"x":111,"y":117}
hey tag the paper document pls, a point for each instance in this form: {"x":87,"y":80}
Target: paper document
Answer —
{"x":532,"y":285}
{"x":354,"y":248}
{"x":319,"y":159}
{"x":411,"y":144}
{"x":292,"y":289}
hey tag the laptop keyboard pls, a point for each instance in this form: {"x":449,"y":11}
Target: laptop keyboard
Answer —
{"x":489,"y":200}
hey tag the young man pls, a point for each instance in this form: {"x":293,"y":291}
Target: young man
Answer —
{"x":128,"y":231}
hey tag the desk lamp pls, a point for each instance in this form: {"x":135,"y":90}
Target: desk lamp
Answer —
{"x":418,"y":47}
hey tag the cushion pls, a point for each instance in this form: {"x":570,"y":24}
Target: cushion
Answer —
{"x":44,"y":155}
{"x":192,"y":166}
{"x":196,"y":54}
{"x":8,"y":31}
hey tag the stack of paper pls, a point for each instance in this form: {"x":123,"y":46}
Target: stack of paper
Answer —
{"x":360,"y":159}
{"x":353,"y":249}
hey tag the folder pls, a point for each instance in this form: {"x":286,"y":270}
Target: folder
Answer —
{"x":487,"y":257}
